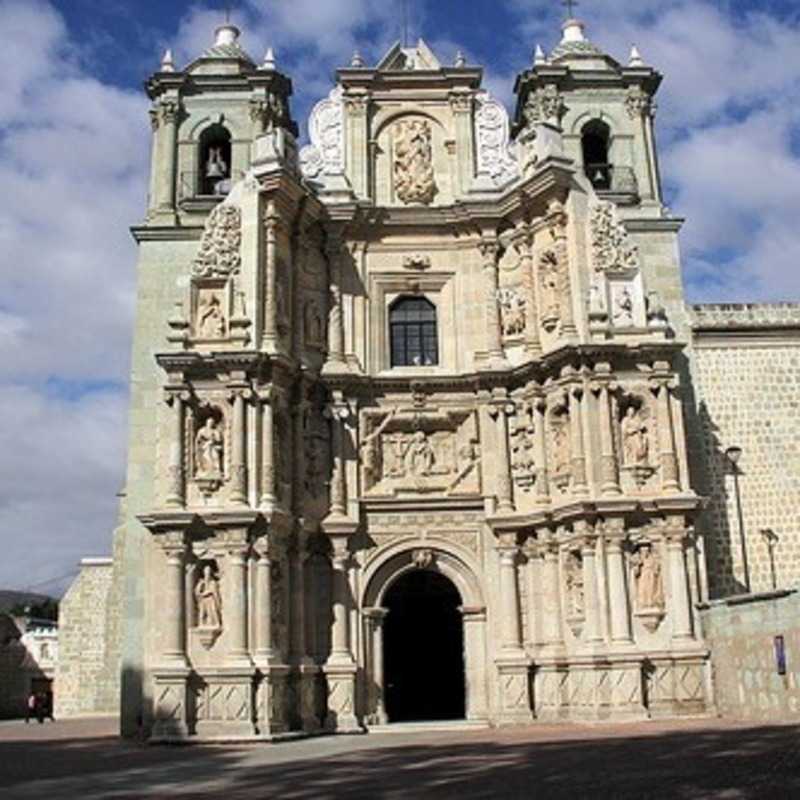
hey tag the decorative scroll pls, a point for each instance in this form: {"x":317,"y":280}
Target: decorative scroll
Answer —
{"x":494,"y":154}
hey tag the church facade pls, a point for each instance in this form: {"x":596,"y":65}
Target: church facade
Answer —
{"x":411,"y":406}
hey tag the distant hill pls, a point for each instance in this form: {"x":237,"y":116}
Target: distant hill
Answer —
{"x":9,"y":598}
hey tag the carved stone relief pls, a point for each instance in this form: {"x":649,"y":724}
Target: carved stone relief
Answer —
{"x":494,"y":155}
{"x":522,"y":447}
{"x":559,"y":445}
{"x":412,"y":164}
{"x":612,"y":250}
{"x":313,"y":324}
{"x":544,"y":105}
{"x":638,"y":438}
{"x":406,"y":452}
{"x":513,"y":309}
{"x":325,"y":154}
{"x":649,"y":583}
{"x":220,"y":248}
{"x":551,"y":281}
{"x":210,"y":314}
{"x":208,"y":448}
{"x":208,"y":606}
{"x":573,"y":583}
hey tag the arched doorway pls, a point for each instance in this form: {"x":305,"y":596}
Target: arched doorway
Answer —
{"x":423,"y":643}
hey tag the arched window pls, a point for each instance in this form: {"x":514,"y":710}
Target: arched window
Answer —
{"x":412,"y":330}
{"x":595,"y":139}
{"x":215,"y":161}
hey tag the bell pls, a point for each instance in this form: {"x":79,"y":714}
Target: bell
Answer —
{"x":215,"y":166}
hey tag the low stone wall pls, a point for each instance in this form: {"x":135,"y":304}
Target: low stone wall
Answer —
{"x":741,"y":633}
{"x":87,"y":673}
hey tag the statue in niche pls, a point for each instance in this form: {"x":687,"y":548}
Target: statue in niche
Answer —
{"x":649,"y":581}
{"x":559,"y":438}
{"x":551,"y":289}
{"x":420,"y":455}
{"x":573,"y":571}
{"x":413,"y":162}
{"x":313,"y":323}
{"x":623,"y":308}
{"x":209,"y":600}
{"x":209,"y":448}
{"x":512,"y":311}
{"x":210,"y":318}
{"x":635,"y":438}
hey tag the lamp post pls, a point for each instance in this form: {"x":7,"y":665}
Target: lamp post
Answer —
{"x":733,"y":454}
{"x":771,"y":539}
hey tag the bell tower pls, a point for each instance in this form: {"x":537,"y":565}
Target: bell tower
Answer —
{"x":606,"y":112}
{"x":205,"y":119}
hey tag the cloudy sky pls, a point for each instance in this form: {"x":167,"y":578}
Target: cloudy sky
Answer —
{"x":74,"y":149}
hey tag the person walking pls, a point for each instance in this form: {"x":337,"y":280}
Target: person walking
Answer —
{"x":30,"y":707}
{"x":40,"y":708}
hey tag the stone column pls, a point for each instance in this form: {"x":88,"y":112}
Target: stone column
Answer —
{"x":540,"y":444}
{"x":474,"y":620}
{"x":675,"y":539}
{"x":609,"y":472}
{"x":268,"y":496}
{"x":264,"y":651}
{"x":618,"y":590}
{"x":238,"y":495}
{"x":557,"y":218}
{"x":500,"y":409}
{"x":375,"y":618}
{"x":174,"y":545}
{"x":333,"y":251}
{"x":340,"y":668}
{"x":338,"y":413}
{"x":579,"y":485}
{"x":269,"y":339}
{"x":523,"y":244}
{"x":669,"y":460}
{"x":489,"y":250}
{"x":167,"y":143}
{"x":176,"y":492}
{"x":552,"y":631}
{"x":588,"y":547}
{"x":512,"y":662}
{"x":237,"y":614}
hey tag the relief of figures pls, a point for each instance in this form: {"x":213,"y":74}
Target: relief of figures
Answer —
{"x":512,"y":311}
{"x":648,"y":577}
{"x":413,"y":162}
{"x":401,"y":451}
{"x":551,"y":289}
{"x":210,"y":317}
{"x":573,"y":576}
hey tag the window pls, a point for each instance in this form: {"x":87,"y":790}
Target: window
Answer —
{"x":215,"y":161}
{"x":595,"y":139}
{"x":412,"y":331}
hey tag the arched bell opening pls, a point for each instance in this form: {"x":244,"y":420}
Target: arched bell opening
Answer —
{"x":423,"y":649}
{"x":595,"y":146}
{"x":215,"y":161}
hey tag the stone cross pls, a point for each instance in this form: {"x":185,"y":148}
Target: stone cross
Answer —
{"x":570,"y":6}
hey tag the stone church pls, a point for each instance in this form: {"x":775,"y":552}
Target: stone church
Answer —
{"x":416,"y":419}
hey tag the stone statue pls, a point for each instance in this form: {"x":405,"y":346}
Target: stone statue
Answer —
{"x":550,"y":278}
{"x":649,"y":581}
{"x":208,"y":599}
{"x":560,"y":444}
{"x":623,"y":307}
{"x":209,"y":450}
{"x":420,"y":455}
{"x":512,"y":311}
{"x":635,"y":439}
{"x":413,"y":162}
{"x":210,"y":319}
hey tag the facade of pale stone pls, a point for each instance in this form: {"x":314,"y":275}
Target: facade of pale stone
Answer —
{"x":410,"y":407}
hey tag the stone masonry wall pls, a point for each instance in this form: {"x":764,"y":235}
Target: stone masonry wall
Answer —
{"x":86,"y":680}
{"x":741,"y":636}
{"x":746,"y":370}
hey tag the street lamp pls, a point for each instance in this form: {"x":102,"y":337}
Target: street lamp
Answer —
{"x":771,"y":538}
{"x":733,"y":454}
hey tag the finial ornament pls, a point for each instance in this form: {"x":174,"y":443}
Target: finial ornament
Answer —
{"x":357,"y":60}
{"x":167,"y":63}
{"x":570,"y":7}
{"x":460,"y":60}
{"x":539,"y":56}
{"x":269,"y":60}
{"x":636,"y":59}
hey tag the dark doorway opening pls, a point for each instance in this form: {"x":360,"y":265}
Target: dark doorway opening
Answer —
{"x":423,"y":649}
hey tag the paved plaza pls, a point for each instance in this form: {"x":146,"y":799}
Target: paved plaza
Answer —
{"x":694,"y":759}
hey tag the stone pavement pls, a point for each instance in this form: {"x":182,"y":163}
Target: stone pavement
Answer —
{"x":691,"y":759}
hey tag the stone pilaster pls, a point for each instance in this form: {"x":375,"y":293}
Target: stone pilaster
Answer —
{"x":176,"y":488}
{"x":236,"y":621}
{"x":523,"y":244}
{"x":540,"y":445}
{"x":500,"y":409}
{"x":578,"y":453}
{"x":376,"y":688}
{"x":269,"y":340}
{"x":268,"y":495}
{"x":489,"y":250}
{"x":666,"y":431}
{"x":609,"y":467}
{"x":675,"y":536}
{"x":240,"y":393}
{"x":592,"y":634}
{"x":168,"y":111}
{"x":618,"y":591}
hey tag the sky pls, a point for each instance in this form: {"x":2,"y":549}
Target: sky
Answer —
{"x":74,"y":155}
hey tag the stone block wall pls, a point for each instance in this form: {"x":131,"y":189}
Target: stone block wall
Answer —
{"x":746,"y":372}
{"x":741,"y":634}
{"x":87,"y":673}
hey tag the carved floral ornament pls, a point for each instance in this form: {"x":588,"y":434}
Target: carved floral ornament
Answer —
{"x":544,"y":104}
{"x":495,"y":158}
{"x":638,"y":103}
{"x":612,"y":250}
{"x":325,"y":154}
{"x":412,"y":164}
{"x":220,"y":248}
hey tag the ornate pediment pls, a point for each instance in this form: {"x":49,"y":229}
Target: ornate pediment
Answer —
{"x":418,"y":58}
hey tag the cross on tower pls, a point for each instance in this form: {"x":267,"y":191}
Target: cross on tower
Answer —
{"x":570,"y":6}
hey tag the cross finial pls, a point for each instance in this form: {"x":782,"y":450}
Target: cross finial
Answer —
{"x":570,"y":6}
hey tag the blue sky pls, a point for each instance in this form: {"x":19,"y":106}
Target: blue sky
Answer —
{"x":74,"y":150}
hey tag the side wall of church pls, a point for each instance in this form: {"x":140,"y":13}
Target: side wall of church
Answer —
{"x":87,"y":678}
{"x":746,"y":367}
